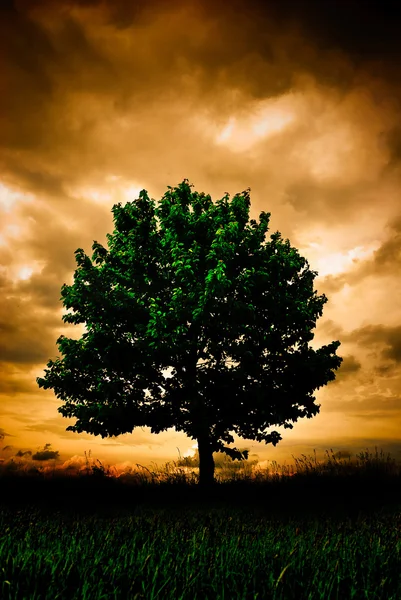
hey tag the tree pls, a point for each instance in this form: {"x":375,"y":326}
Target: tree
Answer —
{"x":201,"y":291}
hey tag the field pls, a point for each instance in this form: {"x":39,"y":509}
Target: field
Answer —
{"x":330,"y":531}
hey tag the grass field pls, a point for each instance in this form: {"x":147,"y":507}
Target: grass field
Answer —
{"x":330,"y":531}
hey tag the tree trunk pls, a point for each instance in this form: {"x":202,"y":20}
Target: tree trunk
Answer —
{"x":206,"y":463}
{"x":202,"y":428}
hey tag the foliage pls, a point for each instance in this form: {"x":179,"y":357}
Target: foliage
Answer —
{"x":200,"y":291}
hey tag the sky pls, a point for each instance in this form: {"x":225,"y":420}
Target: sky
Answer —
{"x":300,"y":101}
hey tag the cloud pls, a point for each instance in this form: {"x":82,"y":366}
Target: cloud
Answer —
{"x":349,"y":366}
{"x":298,"y":101}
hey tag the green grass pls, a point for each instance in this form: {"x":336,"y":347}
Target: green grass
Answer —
{"x":330,"y":531}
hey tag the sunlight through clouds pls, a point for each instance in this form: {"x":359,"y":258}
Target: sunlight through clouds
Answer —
{"x":9,"y":198}
{"x":116,"y":191}
{"x":340,"y":262}
{"x":244,"y":130}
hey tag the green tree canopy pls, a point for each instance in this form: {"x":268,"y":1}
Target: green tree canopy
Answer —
{"x":197,"y":289}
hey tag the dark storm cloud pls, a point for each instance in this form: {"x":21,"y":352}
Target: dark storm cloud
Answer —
{"x":33,"y":180}
{"x":257,"y":48}
{"x":389,"y":254}
{"x":314,"y":197}
{"x":392,"y":139}
{"x":349,"y":366}
{"x":37,"y":63}
{"x":365,"y":30}
{"x":27,"y":85}
{"x":350,"y":36}
{"x":378,"y":336}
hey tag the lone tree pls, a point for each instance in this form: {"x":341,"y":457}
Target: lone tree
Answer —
{"x":202,"y":292}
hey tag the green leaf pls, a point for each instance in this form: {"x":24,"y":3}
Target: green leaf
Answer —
{"x":233,"y":370}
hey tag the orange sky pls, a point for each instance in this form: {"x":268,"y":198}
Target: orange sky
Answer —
{"x":300,"y":103}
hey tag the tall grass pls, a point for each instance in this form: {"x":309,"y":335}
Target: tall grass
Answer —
{"x":326,"y":531}
{"x":370,"y":480}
